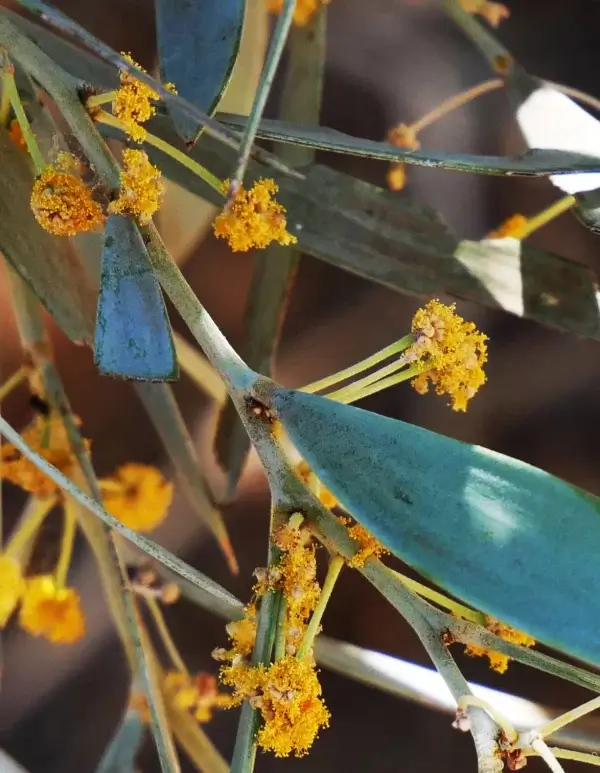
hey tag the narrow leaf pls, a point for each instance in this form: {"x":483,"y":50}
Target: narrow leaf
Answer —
{"x":505,"y":537}
{"x":533,"y":163}
{"x":133,"y":334}
{"x":43,"y":261}
{"x":121,"y":752}
{"x":159,"y":401}
{"x":198,"y":43}
{"x":275,"y":268}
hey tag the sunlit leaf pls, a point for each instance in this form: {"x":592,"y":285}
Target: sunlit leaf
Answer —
{"x":45,"y":262}
{"x":198,"y":42}
{"x":505,"y":537}
{"x":133,"y":335}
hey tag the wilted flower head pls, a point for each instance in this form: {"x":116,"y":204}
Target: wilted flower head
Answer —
{"x":253,"y":219}
{"x":48,"y":437}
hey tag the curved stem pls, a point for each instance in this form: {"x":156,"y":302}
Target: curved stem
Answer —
{"x":165,"y":636}
{"x":336,"y":564}
{"x":33,"y":517}
{"x":458,"y":100}
{"x":13,"y":381}
{"x":8,"y":84}
{"x":569,"y":716}
{"x":66,"y":545}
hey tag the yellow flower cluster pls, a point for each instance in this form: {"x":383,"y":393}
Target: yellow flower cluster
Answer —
{"x":303,"y":12}
{"x":449,"y":352}
{"x":142,"y":187}
{"x":61,"y":202}
{"x":498,"y":661}
{"x":198,"y":694}
{"x":288,"y":695}
{"x":46,"y":609}
{"x":48,"y":436}
{"x":286,"y":692}
{"x":402,"y":136}
{"x":133,"y":102}
{"x":493,"y":13}
{"x":51,"y":611}
{"x":253,"y":219}
{"x":138,"y":495}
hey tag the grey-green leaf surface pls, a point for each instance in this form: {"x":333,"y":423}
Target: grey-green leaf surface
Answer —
{"x":122,"y":750}
{"x":386,"y":238}
{"x":533,"y":163}
{"x":44,"y":261}
{"x":505,"y":537}
{"x":198,"y":43}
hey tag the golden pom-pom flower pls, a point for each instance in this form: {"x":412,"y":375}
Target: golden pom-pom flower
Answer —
{"x":253,"y":219}
{"x":51,"y":611}
{"x":133,"y":102}
{"x":62,"y":204}
{"x":138,"y":495}
{"x":142,"y":187}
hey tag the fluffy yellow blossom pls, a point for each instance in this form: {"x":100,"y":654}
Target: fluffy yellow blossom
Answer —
{"x":138,"y":495}
{"x":61,"y":202}
{"x":142,"y":187}
{"x":402,"y":136}
{"x":303,"y":12}
{"x":513,"y":227}
{"x":253,"y":219}
{"x":133,"y":102}
{"x":198,"y":694}
{"x":498,"y":661}
{"x":51,"y":611}
{"x":369,"y":546}
{"x":47,"y":436}
{"x":243,"y":632}
{"x":299,"y":583}
{"x":449,"y":352}
{"x":12,"y":586}
{"x":493,"y":13}
{"x":288,"y":695}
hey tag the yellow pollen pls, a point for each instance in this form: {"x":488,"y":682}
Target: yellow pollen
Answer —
{"x":133,"y":102}
{"x":142,"y":187}
{"x":52,"y":612}
{"x":138,"y":495}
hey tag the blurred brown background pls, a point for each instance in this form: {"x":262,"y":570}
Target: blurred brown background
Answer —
{"x":388,"y":61}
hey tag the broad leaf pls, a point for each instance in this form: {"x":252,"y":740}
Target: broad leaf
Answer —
{"x":198,"y":43}
{"x":45,"y":262}
{"x":505,"y":537}
{"x":133,"y":335}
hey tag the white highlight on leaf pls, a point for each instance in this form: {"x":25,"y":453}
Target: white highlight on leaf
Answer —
{"x":550,"y":120}
{"x":496,"y":263}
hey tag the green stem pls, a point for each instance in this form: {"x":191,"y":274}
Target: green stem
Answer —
{"x":569,"y":754}
{"x":13,"y":381}
{"x":492,"y":50}
{"x":165,"y":636}
{"x":336,"y":565}
{"x":100,"y":99}
{"x":169,"y":150}
{"x":385,"y":383}
{"x":359,"y":367}
{"x":570,"y":716}
{"x":4,"y":107}
{"x":280,"y":631}
{"x":9,"y":85}
{"x":438,"y":598}
{"x":35,"y":513}
{"x":274,"y":53}
{"x":66,"y":545}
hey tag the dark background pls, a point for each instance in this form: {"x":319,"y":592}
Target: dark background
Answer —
{"x":388,"y":61}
